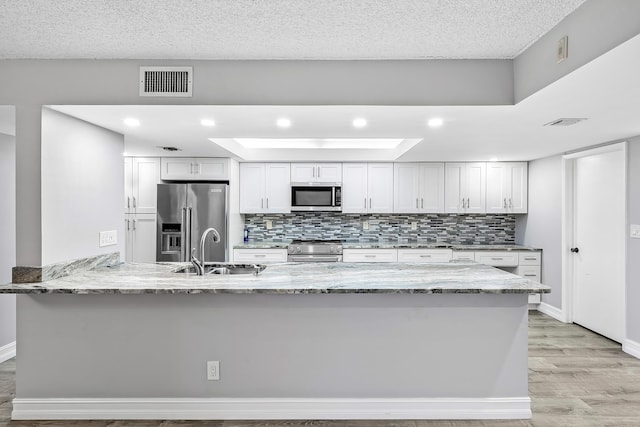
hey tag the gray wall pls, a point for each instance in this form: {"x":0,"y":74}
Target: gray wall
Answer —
{"x":331,"y":345}
{"x":633,"y":245}
{"x":542,"y":227}
{"x":82,"y":188}
{"x":29,"y":84}
{"x":8,"y":233}
{"x":593,"y":29}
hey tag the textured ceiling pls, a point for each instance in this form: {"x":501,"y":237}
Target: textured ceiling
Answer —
{"x":275,"y":29}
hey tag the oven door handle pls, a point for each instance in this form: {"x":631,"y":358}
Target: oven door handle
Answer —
{"x":314,"y":258}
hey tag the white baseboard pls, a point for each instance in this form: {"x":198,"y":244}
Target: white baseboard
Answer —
{"x":631,"y":347}
{"x":552,"y":311}
{"x":8,"y":351}
{"x":271,"y":409}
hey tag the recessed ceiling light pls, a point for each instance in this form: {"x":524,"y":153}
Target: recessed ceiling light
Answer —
{"x":207,"y":122}
{"x":493,"y":159}
{"x":130,"y":121}
{"x":283,"y":123}
{"x":435,"y":122}
{"x":359,"y":123}
{"x":124,"y":153}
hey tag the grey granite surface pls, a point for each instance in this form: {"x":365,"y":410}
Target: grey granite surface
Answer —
{"x":25,"y":274}
{"x":290,"y":278}
{"x":393,"y":244}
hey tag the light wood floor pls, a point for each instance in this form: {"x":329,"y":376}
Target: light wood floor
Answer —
{"x":576,"y":378}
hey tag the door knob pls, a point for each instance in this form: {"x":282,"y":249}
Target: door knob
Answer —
{"x":575,"y":250}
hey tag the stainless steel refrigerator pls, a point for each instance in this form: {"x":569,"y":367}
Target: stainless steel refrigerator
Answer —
{"x":185,"y":211}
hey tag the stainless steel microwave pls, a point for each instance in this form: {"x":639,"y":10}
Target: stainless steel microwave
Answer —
{"x":316,"y":197}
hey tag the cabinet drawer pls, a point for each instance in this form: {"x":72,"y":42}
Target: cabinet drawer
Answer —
{"x":370,"y":255}
{"x":259,"y":255}
{"x":531,"y":272}
{"x":464,"y":255}
{"x":498,"y":259}
{"x":534,"y":298}
{"x":529,"y":258}
{"x":424,"y":255}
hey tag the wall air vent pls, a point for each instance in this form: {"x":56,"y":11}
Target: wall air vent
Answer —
{"x":565,"y":122}
{"x":166,"y":81}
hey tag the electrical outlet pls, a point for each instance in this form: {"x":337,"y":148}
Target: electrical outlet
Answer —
{"x":268,"y":224}
{"x":108,"y":238}
{"x":635,"y":231}
{"x":213,"y":370}
{"x":414,"y":226}
{"x":365,"y":225}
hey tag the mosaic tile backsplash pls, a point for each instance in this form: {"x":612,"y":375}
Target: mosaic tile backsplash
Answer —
{"x":480,"y":229}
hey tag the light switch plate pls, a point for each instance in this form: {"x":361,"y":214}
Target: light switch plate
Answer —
{"x":268,"y":224}
{"x":108,"y":238}
{"x":634,"y":231}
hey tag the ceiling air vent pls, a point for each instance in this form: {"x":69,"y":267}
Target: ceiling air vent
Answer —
{"x":564,"y":122}
{"x":166,"y":81}
{"x":169,"y":148}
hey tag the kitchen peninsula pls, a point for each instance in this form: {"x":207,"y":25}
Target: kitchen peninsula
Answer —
{"x":298,"y":341}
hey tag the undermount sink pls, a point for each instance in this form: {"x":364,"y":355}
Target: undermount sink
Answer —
{"x":222,"y":268}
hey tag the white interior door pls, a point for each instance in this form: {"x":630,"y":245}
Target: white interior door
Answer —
{"x":599,"y":232}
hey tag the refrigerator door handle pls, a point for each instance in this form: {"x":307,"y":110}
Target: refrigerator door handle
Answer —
{"x":189,"y":236}
{"x":183,"y":235}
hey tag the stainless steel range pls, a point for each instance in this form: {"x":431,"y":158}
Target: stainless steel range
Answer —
{"x":315,"y":251}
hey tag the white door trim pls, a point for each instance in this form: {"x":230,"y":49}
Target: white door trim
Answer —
{"x":568,"y":226}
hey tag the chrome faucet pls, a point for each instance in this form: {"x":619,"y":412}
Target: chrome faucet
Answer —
{"x":199,"y":264}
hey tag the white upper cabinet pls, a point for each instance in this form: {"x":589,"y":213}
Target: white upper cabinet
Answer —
{"x":418,"y":187}
{"x":354,"y":188}
{"x":265,"y":188}
{"x":465,"y":186}
{"x":507,"y":187}
{"x":316,"y":172}
{"x":194,"y":169}
{"x":141,"y":176}
{"x":367,"y":187}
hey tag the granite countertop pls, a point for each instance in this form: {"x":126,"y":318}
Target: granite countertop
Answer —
{"x":395,"y":244}
{"x":289,"y":278}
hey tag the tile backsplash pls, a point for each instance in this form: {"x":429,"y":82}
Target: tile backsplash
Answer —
{"x":479,"y":229}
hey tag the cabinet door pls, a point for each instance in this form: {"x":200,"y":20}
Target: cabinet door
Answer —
{"x":354,"y":188}
{"x":252,"y":185}
{"x":128,"y":238}
{"x":211,"y":168}
{"x":406,"y":194}
{"x":380,"y":187}
{"x":432,"y":187}
{"x":177,"y":168}
{"x":143,"y":229}
{"x":329,"y":172}
{"x":146,"y":176}
{"x":128,"y":184}
{"x":497,"y":195}
{"x":455,"y":175}
{"x":517,"y":187}
{"x":278,"y":187}
{"x":303,"y":172}
{"x":476,"y":181}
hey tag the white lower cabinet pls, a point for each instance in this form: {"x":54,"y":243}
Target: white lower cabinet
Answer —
{"x":260,"y":256}
{"x":370,"y":255}
{"x":522,"y":263}
{"x":140,"y":237}
{"x":424,"y":255}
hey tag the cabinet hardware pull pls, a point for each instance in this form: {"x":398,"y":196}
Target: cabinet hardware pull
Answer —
{"x":128,"y":225}
{"x":468,"y":203}
{"x":530,"y":275}
{"x":463,"y":203}
{"x":510,"y":203}
{"x":421,"y":203}
{"x":497,"y":259}
{"x":267,"y":203}
{"x":261,"y":203}
{"x":134,"y":225}
{"x":365,"y":203}
{"x":530,"y":258}
{"x":416,"y":203}
{"x":369,"y":202}
{"x":369,"y":256}
{"x":128,"y":202}
{"x":134,"y":202}
{"x":504,"y":204}
{"x":313,"y":171}
{"x":259,"y":255}
{"x":425,"y":256}
{"x":318,"y":171}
